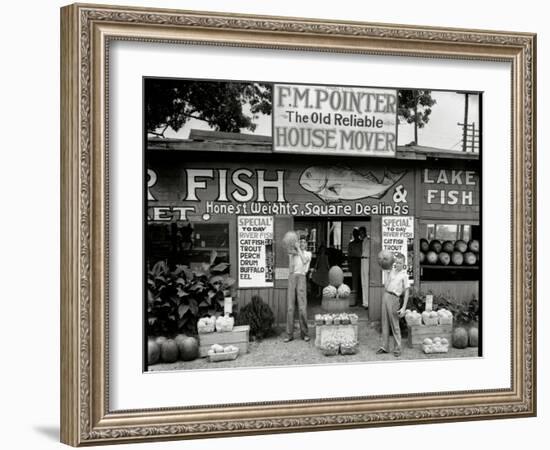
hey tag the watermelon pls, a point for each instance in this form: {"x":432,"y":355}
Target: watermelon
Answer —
{"x":329,"y":291}
{"x":344,"y":291}
{"x":461,"y":246}
{"x":470,"y":258}
{"x":188,"y":349}
{"x":436,"y":246}
{"x":444,"y":258}
{"x":335,"y":276}
{"x":460,"y":338}
{"x":448,"y":246}
{"x":160,"y":340}
{"x":179,"y":337}
{"x":424,"y":245}
{"x":473,"y":245}
{"x":473,"y":337}
{"x":431,"y":257}
{"x":385,"y":259}
{"x":422,"y":257}
{"x":457,"y":258}
{"x":169,"y":351}
{"x":289,"y":241}
{"x":153,"y":352}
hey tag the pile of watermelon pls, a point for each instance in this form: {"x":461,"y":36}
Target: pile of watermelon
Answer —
{"x":457,"y":253}
{"x":161,"y":349}
{"x":336,"y":287}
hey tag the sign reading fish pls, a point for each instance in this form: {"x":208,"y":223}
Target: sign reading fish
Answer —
{"x":347,"y":120}
{"x":334,"y":183}
{"x":228,"y":189}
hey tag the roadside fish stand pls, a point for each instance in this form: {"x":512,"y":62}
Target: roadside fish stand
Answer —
{"x":235,"y":196}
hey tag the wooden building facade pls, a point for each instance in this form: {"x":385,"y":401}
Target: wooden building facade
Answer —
{"x":197,"y":189}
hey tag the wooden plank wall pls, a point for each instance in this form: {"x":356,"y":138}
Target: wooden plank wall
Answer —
{"x":275,"y":298}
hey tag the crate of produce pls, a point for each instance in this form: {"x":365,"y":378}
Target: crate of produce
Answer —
{"x":325,"y":333}
{"x":226,"y":354}
{"x":238,"y":337}
{"x":417,"y":333}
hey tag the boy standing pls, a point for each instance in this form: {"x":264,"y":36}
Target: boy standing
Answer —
{"x":397,"y":284}
{"x":298,"y":268}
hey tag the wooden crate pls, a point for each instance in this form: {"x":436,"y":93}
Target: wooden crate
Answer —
{"x":238,"y":337}
{"x":325,"y":331}
{"x":417,"y":333}
{"x":338,"y":304}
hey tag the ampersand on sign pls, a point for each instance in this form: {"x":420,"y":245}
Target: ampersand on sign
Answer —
{"x":400,"y":194}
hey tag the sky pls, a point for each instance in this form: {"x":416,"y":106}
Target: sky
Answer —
{"x":442,"y":130}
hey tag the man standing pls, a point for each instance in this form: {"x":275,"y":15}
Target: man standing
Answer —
{"x":365,"y":254}
{"x":298,"y":268}
{"x":355,"y":250}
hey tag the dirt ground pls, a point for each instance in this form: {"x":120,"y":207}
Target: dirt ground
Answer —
{"x":274,"y":352}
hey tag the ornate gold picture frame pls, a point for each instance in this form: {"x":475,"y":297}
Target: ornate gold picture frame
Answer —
{"x":87,"y":32}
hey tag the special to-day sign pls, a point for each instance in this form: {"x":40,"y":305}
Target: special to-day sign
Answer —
{"x":396,"y":232}
{"x":335,"y":119}
{"x":255,"y":249}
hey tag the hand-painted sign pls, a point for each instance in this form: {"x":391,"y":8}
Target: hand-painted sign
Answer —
{"x":451,"y":190}
{"x":397,"y":236}
{"x":255,"y":251}
{"x":335,"y":120}
{"x":334,"y":183}
{"x":193,"y":191}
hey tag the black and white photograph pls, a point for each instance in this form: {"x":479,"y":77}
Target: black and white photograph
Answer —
{"x":293,"y":224}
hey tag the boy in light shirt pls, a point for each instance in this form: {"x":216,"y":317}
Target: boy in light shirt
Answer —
{"x":297,"y":290}
{"x":397,"y":284}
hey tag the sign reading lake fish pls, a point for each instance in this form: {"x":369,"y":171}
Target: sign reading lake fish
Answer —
{"x":335,"y":120}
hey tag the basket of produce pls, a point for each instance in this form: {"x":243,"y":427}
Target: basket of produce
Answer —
{"x":445,"y":316}
{"x":206,"y":325}
{"x":344,"y":319}
{"x":437,"y":345}
{"x":413,"y":317}
{"x":336,"y":320}
{"x":349,"y":346}
{"x":430,"y":318}
{"x":319,"y":320}
{"x":328,"y":319}
{"x":353,"y":318}
{"x":225,"y":323}
{"x":330,"y":348}
{"x":218,"y":353}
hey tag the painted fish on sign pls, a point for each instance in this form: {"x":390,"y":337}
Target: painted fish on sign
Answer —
{"x":333,"y":183}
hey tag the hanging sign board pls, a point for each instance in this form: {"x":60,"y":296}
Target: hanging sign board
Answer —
{"x":338,"y":120}
{"x":397,"y":235}
{"x":255,"y":249}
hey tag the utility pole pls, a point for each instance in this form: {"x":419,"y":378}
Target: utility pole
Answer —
{"x":470,"y":136}
{"x":465,"y":126}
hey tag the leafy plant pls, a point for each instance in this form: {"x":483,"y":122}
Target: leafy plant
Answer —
{"x":259,"y":316}
{"x":178,"y":298}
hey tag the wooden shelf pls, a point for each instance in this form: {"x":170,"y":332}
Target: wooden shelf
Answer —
{"x":449,"y":267}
